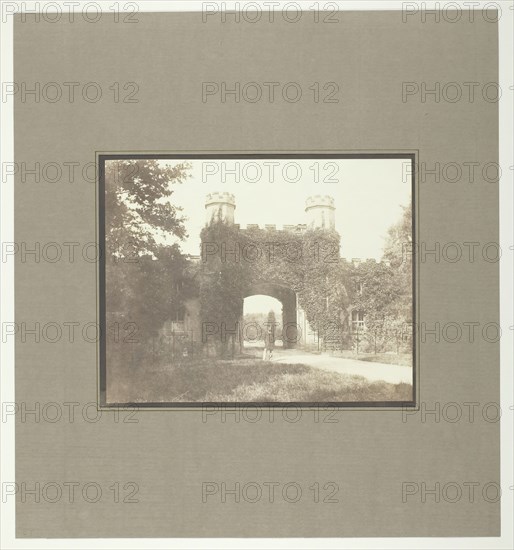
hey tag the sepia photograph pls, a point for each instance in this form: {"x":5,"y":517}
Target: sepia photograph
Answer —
{"x":258,"y":280}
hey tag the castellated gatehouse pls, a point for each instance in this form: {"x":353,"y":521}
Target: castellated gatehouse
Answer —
{"x":298,"y":265}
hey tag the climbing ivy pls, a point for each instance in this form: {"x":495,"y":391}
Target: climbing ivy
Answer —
{"x":308,"y":262}
{"x":328,"y":287}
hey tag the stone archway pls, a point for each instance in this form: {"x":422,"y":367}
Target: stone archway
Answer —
{"x":287,"y":297}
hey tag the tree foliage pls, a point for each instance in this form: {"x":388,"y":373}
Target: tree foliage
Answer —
{"x":385,"y":289}
{"x":137,"y":206}
{"x":144,"y":273}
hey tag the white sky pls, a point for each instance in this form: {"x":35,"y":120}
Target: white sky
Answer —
{"x":263,"y":304}
{"x":368,"y":196}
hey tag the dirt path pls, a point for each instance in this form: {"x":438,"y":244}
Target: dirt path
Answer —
{"x":393,"y":374}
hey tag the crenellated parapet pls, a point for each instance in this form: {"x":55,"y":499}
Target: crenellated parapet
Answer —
{"x":298,"y":228}
{"x":325,"y":201}
{"x":220,"y":198}
{"x":220,"y":206}
{"x":320,"y":211}
{"x":356,"y":262}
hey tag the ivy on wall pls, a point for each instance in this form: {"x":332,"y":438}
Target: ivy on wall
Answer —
{"x":234,"y":261}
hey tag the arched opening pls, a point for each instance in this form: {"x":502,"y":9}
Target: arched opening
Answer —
{"x":263,"y":297}
{"x":260,"y":312}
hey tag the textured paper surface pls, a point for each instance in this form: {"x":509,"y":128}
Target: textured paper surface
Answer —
{"x":169,"y":455}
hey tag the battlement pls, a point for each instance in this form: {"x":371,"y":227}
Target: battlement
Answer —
{"x":299,"y":228}
{"x":220,"y":206}
{"x":315,"y":201}
{"x":355,"y":262}
{"x":220,"y":198}
{"x":320,"y":210}
{"x":359,"y":261}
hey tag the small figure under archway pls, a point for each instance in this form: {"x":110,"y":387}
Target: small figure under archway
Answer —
{"x":269,"y":343}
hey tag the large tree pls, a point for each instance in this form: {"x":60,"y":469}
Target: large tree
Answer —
{"x":399,"y":251}
{"x":144,"y":264}
{"x":398,"y":247}
{"x":137,"y":206}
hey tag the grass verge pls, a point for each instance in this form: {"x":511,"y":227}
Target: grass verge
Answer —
{"x":206,"y":380}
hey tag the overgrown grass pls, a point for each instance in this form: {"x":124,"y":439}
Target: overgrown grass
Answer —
{"x":205,"y":380}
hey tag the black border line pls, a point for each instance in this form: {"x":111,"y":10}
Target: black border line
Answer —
{"x":101,"y":287}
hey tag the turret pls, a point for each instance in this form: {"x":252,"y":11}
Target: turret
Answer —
{"x":320,"y":210}
{"x":220,"y":207}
